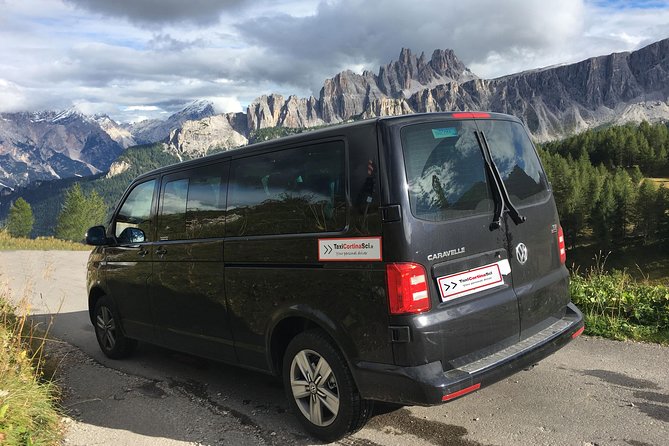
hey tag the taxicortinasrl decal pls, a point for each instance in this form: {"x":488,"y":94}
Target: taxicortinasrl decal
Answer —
{"x":349,"y":249}
{"x":473,"y":281}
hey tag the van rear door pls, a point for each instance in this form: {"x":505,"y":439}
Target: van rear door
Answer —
{"x":446,"y":227}
{"x":539,"y":278}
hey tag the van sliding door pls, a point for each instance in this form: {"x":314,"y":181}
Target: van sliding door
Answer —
{"x":187,"y":290}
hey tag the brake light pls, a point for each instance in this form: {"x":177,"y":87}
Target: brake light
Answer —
{"x":561,"y":246}
{"x":578,"y":332}
{"x":407,"y":288}
{"x":470,"y":115}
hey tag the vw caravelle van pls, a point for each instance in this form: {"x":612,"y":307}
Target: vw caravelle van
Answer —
{"x":409,"y":259}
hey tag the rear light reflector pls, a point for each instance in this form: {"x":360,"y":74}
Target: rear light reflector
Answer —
{"x":470,"y":115}
{"x":407,"y":288}
{"x":578,"y":332}
{"x":466,"y":390}
{"x":561,"y":246}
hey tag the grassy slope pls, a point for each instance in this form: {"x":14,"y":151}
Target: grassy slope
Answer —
{"x":9,"y":243}
{"x":27,"y":405}
{"x":617,"y":306}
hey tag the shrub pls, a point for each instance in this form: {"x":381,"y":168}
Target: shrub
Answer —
{"x":618,"y":306}
{"x":27,"y":407}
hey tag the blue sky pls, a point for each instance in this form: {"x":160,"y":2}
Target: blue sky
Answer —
{"x":136,"y":59}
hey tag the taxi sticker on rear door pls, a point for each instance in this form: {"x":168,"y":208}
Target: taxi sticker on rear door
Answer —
{"x":473,"y":280}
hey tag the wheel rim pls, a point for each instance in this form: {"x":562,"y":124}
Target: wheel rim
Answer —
{"x":106,"y":328}
{"x":314,"y":387}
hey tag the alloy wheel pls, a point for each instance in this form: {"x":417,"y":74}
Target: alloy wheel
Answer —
{"x":106,"y":328}
{"x":314,"y":387}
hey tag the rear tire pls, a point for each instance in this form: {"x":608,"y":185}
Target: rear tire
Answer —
{"x":320,"y":388}
{"x":108,"y":332}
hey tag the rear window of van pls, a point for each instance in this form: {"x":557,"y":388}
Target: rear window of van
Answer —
{"x":445,"y":171}
{"x":516,"y":160}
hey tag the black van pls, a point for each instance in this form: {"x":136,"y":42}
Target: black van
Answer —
{"x":409,"y":259}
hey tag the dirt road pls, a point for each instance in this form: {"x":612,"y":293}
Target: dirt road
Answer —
{"x":593,"y":392}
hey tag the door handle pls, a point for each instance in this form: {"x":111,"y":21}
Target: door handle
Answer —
{"x":161,"y":251}
{"x":142,"y":252}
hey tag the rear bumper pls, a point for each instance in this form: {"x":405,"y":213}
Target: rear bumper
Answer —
{"x":428,"y":384}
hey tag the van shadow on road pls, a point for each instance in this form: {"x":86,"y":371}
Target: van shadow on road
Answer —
{"x":162,"y":393}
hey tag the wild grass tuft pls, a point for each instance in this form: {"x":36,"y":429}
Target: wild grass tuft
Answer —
{"x":9,"y":243}
{"x":618,"y":306}
{"x":27,"y":403}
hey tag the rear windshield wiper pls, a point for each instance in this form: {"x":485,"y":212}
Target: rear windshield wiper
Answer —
{"x":505,"y":200}
{"x":498,"y":197}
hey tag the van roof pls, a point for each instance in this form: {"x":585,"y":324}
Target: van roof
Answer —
{"x":329,"y":131}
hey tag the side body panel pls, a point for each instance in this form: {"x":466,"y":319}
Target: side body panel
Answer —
{"x":271,"y":277}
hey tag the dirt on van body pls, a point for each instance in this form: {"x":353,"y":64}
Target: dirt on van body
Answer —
{"x":592,"y":392}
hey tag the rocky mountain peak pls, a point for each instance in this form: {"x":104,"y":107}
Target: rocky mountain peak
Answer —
{"x":155,"y":130}
{"x":198,"y":109}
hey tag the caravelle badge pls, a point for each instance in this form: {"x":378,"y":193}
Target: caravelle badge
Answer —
{"x":521,"y":253}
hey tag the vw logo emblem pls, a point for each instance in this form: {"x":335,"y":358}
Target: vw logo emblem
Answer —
{"x":521,"y":253}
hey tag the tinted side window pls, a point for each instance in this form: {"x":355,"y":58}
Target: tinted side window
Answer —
{"x":514,"y":155}
{"x":292,"y":191}
{"x":205,"y":209}
{"x":445,"y":170}
{"x":192,"y":204}
{"x":172,"y":218}
{"x":135,"y":214}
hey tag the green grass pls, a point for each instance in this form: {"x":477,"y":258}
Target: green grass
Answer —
{"x":660,"y":181}
{"x":618,"y":306}
{"x":9,"y":243}
{"x":27,"y":404}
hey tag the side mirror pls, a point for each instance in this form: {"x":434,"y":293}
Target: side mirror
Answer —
{"x":132,"y":236}
{"x":96,"y":236}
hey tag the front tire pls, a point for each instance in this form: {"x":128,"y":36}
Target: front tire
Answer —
{"x":320,"y":388}
{"x":111,"y":339}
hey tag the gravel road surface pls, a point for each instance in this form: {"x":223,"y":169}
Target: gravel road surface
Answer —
{"x":592,"y":392}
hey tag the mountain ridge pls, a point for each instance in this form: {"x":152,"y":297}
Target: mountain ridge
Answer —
{"x":553,"y":102}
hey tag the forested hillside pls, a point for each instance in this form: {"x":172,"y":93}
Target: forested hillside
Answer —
{"x":46,"y":198}
{"x":608,"y":185}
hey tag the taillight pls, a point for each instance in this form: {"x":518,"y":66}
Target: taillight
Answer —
{"x":561,"y":246}
{"x":407,"y":288}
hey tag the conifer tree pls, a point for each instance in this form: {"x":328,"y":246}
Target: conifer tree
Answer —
{"x":79,"y":212}
{"x":20,"y":220}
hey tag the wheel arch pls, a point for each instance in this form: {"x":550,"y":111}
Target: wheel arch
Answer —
{"x":93,"y":296}
{"x":297,"y":320}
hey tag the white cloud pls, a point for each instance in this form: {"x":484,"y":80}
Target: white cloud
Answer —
{"x":142,"y":108}
{"x":12,"y":96}
{"x":117,"y":57}
{"x":223,"y":104}
{"x":162,"y":11}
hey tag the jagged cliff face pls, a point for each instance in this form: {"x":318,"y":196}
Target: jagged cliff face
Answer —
{"x":52,"y":145}
{"x":553,"y":102}
{"x":154,"y":130}
{"x":197,"y":138}
{"x":349,"y":95}
{"x":115,"y":131}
